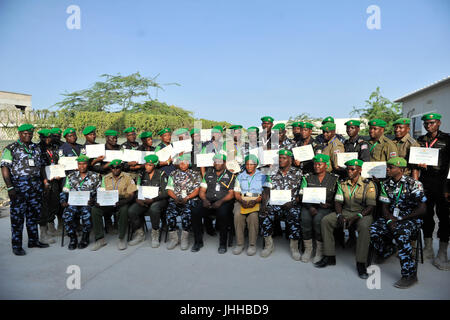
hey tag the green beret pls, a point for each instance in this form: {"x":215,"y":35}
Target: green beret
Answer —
{"x":267,"y":119}
{"x":328,"y":119}
{"x":44,"y":132}
{"x":253,"y":129}
{"x":184,"y":157}
{"x":115,"y":162}
{"x":297,"y":124}
{"x":217,"y":129}
{"x":152,"y":158}
{"x":398,"y":162}
{"x":279,"y":126}
{"x":111,"y":133}
{"x":130,"y":129}
{"x":252,"y":157}
{"x":26,"y":127}
{"x":329,"y":126}
{"x":402,"y":121}
{"x":321,"y":158}
{"x":284,"y":152}
{"x":306,"y":125}
{"x":220,"y":156}
{"x":55,"y":131}
{"x":354,"y":162}
{"x":355,"y":123}
{"x":89,"y":129}
{"x":68,"y":131}
{"x":165,"y":130}
{"x":235,"y":127}
{"x":194,"y":131}
{"x":181,"y":131}
{"x":377,"y":123}
{"x":82,"y":158}
{"x":431,"y":116}
{"x":146,"y":134}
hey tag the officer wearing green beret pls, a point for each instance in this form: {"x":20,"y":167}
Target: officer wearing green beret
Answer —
{"x":147,"y":141}
{"x":90,"y":134}
{"x":296,"y":130}
{"x":130,"y":144}
{"x":166,"y":138}
{"x":235,"y":147}
{"x":404,"y":142}
{"x":71,"y":148}
{"x":266,"y":136}
{"x":283,"y":141}
{"x":320,"y":139}
{"x":56,"y":137}
{"x":355,"y":202}
{"x":306,"y":139}
{"x":150,"y":176}
{"x":43,"y":133}
{"x":436,"y":189}
{"x":333,"y":145}
{"x":355,"y":143}
{"x":312,"y":214}
{"x":216,"y":145}
{"x":381,"y":148}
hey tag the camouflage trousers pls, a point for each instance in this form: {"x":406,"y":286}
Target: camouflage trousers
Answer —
{"x":27,"y":204}
{"x":381,"y":237}
{"x":173,"y":211}
{"x":71,"y":213}
{"x":291,"y":216}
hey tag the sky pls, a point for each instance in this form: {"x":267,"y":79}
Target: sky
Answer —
{"x":235,"y":60}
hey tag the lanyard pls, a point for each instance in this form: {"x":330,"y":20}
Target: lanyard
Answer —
{"x":432,"y":143}
{"x":82,"y":181}
{"x":26,"y":149}
{"x":73,"y":150}
{"x":51,"y":155}
{"x":220,"y":178}
{"x":250,"y":182}
{"x":333,"y":139}
{"x":398,"y":195}
{"x":116,"y":186}
{"x":352,"y":193}
{"x":373,"y":146}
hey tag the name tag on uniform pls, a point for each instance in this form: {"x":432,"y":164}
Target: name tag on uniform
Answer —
{"x":396,"y":212}
{"x":31,"y":162}
{"x":183,"y":194}
{"x":217,"y":187}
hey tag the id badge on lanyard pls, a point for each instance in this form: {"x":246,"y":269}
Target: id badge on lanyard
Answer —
{"x":217,"y":187}
{"x":183,"y":194}
{"x":396,"y":212}
{"x":31,"y":162}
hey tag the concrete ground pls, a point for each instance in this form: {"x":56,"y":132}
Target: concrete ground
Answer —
{"x":141,"y":272}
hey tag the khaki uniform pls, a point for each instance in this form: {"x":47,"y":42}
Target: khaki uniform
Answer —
{"x":332,"y":148}
{"x":383,"y":149}
{"x":363,"y":196}
{"x":403,"y":147}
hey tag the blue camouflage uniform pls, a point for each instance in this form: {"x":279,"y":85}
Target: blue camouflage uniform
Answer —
{"x":24,"y":164}
{"x":412,"y":194}
{"x":91,"y":182}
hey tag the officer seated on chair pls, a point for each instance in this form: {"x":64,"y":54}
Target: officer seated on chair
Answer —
{"x":403,"y":201}
{"x":121,"y":181}
{"x":355,"y":201}
{"x":151,"y":176}
{"x":216,"y":193}
{"x":79,"y":180}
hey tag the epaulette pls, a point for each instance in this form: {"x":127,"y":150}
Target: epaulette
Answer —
{"x":411,"y":140}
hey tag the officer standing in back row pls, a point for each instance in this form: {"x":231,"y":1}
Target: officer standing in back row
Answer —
{"x":404,"y":142}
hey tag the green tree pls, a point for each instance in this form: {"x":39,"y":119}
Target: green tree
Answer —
{"x":302,"y":117}
{"x":379,"y":107}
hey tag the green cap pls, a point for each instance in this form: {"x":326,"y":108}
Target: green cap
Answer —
{"x":306,"y":125}
{"x":220,"y":156}
{"x":165,"y":130}
{"x":431,"y":116}
{"x":82,"y":158}
{"x":89,"y":129}
{"x":184,"y":157}
{"x":279,"y":126}
{"x":253,"y":129}
{"x":354,"y":162}
{"x":398,"y":162}
{"x":217,"y":129}
{"x":297,"y":124}
{"x":111,"y":133}
{"x":146,"y":134}
{"x":329,"y":126}
{"x":377,"y":123}
{"x":44,"y":132}
{"x":194,"y":131}
{"x":355,"y":123}
{"x":321,"y":158}
{"x":284,"y":152}
{"x":55,"y":131}
{"x":181,"y":131}
{"x":26,"y":127}
{"x":115,"y":162}
{"x":130,"y":129}
{"x":328,"y":119}
{"x":267,"y":119}
{"x":235,"y":127}
{"x":68,"y":131}
{"x":152,"y":158}
{"x":252,"y":157}
{"x":402,"y":121}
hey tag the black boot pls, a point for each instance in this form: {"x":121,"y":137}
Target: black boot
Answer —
{"x":19,"y":251}
{"x":37,"y":244}
{"x":362,"y":271}
{"x":196,"y":247}
{"x":73,"y":241}
{"x":84,"y":240}
{"x":326,"y":261}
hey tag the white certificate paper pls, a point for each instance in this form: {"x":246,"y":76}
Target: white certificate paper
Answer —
{"x":205,"y":135}
{"x":314,"y":195}
{"x":95,"y":150}
{"x":131,"y":155}
{"x":79,"y":198}
{"x":204,"y":160}
{"x":303,"y":153}
{"x":107,"y":197}
{"x":147,"y":192}
{"x":182,"y":146}
{"x":113,"y":155}
{"x":270,"y":157}
{"x":280,"y":197}
{"x":144,"y":154}
{"x":376,"y":169}
{"x":165,"y":153}
{"x":343,"y":157}
{"x":429,"y":156}
{"x":69,"y":163}
{"x":55,"y":171}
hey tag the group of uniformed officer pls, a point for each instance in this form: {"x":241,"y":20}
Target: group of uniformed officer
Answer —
{"x":239,"y":191}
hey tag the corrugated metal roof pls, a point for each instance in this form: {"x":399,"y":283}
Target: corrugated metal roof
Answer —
{"x":435,"y":84}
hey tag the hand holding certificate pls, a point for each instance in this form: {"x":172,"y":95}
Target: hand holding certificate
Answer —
{"x":314,"y":195}
{"x":374,"y":169}
{"x":147,"y":192}
{"x":79,"y":198}
{"x":429,"y":156}
{"x":55,"y":171}
{"x":95,"y":150}
{"x":280,"y":197}
{"x":107,"y":197}
{"x":165,"y":153}
{"x":303,"y":153}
